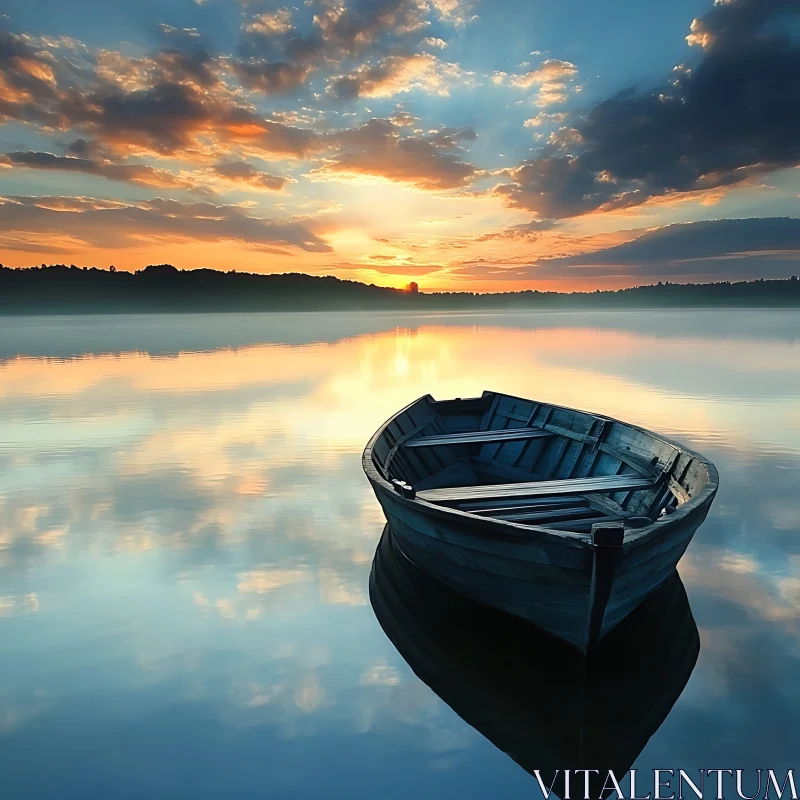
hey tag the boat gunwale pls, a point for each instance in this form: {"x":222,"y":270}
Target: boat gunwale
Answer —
{"x":633,"y":537}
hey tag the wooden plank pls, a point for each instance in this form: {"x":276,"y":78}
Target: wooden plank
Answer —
{"x":507,"y":435}
{"x":546,"y":466}
{"x":570,"y":434}
{"x":597,"y":443}
{"x":620,"y":501}
{"x":482,"y":539}
{"x":569,"y":459}
{"x":401,"y":441}
{"x":417,"y":466}
{"x":587,"y":462}
{"x":678,"y":490}
{"x":490,"y":450}
{"x":605,"y":483}
{"x":487,"y":417}
{"x":538,"y":503}
{"x":554,"y":587}
{"x":545,"y":445}
{"x":543,"y":517}
{"x":660,"y":502}
{"x":419,"y":414}
{"x":526,"y":445}
{"x":507,"y":415}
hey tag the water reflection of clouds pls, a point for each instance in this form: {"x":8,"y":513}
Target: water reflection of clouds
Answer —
{"x":196,"y":529}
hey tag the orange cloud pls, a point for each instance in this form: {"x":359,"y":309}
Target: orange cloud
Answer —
{"x":432,"y":161}
{"x":121,"y":226}
{"x":397,"y":74}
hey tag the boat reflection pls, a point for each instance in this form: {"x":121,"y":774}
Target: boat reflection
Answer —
{"x":531,"y":695}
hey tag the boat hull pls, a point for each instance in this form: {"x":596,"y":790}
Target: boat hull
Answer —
{"x":543,"y":580}
{"x":563,"y":518}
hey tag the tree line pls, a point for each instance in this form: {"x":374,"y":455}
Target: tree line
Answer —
{"x":58,"y":288}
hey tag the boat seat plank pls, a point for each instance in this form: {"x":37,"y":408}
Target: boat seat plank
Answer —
{"x":581,"y":525}
{"x":570,"y":486}
{"x":505,"y":435}
{"x":523,"y":504}
{"x":544,"y":517}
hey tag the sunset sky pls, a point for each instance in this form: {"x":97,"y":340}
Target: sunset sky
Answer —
{"x":464,"y":144}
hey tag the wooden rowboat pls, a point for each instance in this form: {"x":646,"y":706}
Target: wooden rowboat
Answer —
{"x":534,"y":697}
{"x":561,"y":517}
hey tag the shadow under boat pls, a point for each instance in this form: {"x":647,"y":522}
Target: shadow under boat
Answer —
{"x":533,"y":696}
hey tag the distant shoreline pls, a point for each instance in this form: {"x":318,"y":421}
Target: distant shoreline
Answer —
{"x":411,"y":312}
{"x":63,"y":290}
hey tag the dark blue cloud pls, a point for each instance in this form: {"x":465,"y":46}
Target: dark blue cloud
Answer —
{"x":744,"y":248}
{"x":734,"y":115}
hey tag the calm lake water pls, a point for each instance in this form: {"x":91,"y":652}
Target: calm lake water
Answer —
{"x":186,"y":537}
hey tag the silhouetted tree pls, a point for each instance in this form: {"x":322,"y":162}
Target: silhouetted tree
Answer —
{"x":162,"y":287}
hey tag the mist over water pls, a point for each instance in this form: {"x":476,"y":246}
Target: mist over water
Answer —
{"x":186,"y":536}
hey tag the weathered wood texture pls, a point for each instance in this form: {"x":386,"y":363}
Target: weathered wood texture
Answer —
{"x":472,"y":437}
{"x":508,"y":522}
{"x":605,"y":483}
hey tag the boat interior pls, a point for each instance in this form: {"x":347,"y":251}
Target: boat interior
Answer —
{"x":532,"y":463}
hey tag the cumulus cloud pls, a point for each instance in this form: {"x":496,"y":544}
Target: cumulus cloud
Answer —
{"x":403,"y":119}
{"x":274,"y":55}
{"x":170,"y":103}
{"x":180,"y":102}
{"x":543,"y":118}
{"x":430,"y":161}
{"x":553,"y":79}
{"x":122,"y":225}
{"x":167,"y":118}
{"x":397,"y":74}
{"x":162,"y":118}
{"x":732,"y":117}
{"x":271,"y":77}
{"x":26,"y":78}
{"x":243,"y":173}
{"x":555,"y":187}
{"x":270,"y":23}
{"x":247,"y":130}
{"x":551,"y":71}
{"x":455,"y":12}
{"x":278,"y":56}
{"x":86,"y":148}
{"x":187,"y":56}
{"x":732,"y":23}
{"x":351,"y":28}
